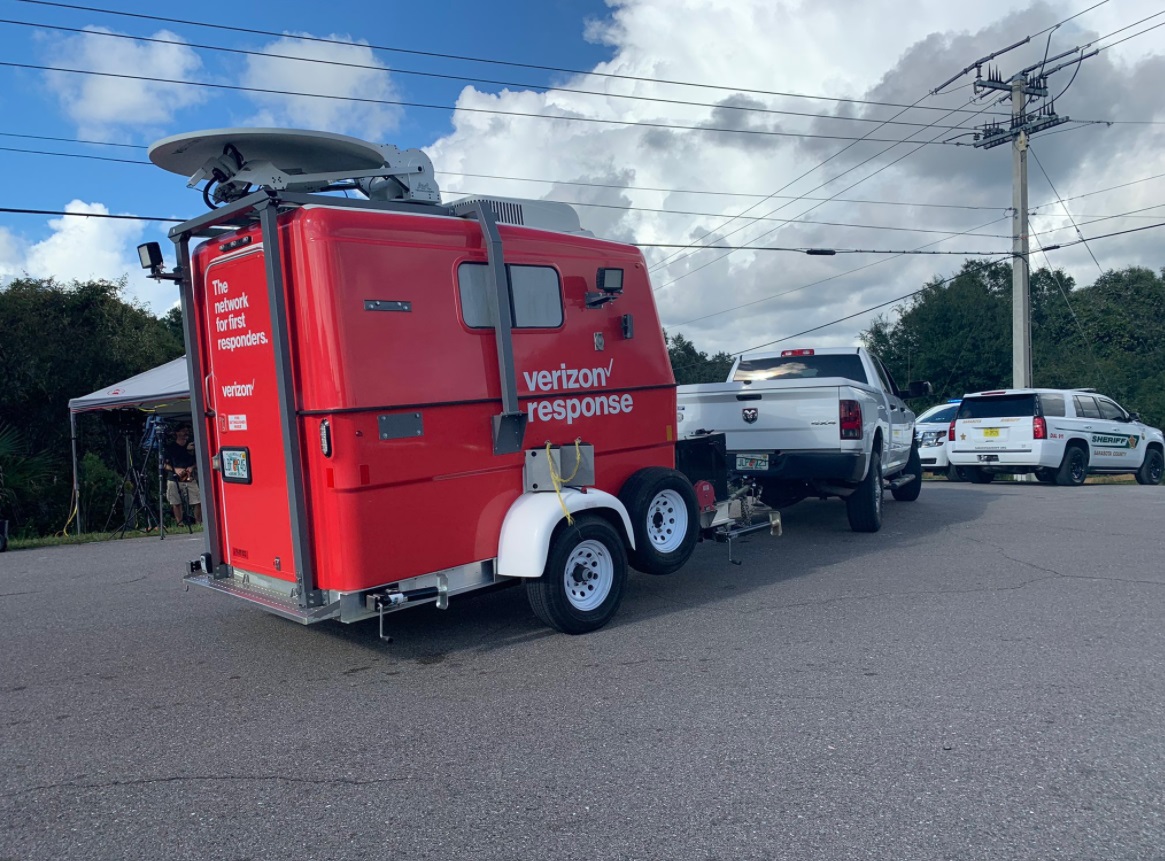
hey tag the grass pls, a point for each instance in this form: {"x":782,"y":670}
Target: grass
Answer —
{"x":15,"y":543}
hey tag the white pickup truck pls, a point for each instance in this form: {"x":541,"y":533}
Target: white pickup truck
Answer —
{"x":813,"y":422}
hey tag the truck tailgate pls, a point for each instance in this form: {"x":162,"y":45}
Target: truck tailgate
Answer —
{"x":801,"y":415}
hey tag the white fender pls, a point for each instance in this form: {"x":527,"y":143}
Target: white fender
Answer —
{"x":526,"y":531}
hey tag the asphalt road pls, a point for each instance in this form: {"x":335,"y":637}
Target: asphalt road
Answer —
{"x":983,"y":679}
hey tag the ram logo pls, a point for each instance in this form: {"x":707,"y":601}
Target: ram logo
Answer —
{"x":750,"y":414}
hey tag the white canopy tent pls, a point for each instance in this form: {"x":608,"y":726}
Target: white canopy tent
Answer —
{"x":164,"y":390}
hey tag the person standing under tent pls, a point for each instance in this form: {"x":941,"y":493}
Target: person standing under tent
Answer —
{"x":182,"y":488}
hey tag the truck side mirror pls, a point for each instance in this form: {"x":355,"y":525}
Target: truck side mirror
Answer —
{"x":918,"y":389}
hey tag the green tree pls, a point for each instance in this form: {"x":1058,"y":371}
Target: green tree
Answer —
{"x":1109,"y":335}
{"x":59,"y":341}
{"x":690,"y":365}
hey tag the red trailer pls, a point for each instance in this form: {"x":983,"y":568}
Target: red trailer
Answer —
{"x":399,"y":401}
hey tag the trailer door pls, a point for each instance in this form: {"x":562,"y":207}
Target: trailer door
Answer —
{"x":242,"y":401}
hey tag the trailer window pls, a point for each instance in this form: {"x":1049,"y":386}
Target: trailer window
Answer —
{"x":846,"y":365}
{"x":535,"y":296}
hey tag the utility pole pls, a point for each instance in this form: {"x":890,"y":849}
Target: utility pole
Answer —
{"x":1023,"y":88}
{"x":1021,"y":317}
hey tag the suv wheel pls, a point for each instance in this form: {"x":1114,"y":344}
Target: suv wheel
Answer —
{"x":978,"y":475}
{"x":1151,"y":470}
{"x":1073,"y":468}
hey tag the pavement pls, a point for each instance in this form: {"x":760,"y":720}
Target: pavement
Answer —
{"x":982,"y":679}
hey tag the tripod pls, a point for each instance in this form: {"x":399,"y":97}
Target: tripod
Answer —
{"x":136,"y":497}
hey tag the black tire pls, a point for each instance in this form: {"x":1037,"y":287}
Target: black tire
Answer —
{"x":1046,"y":475}
{"x":956,"y":473}
{"x":1073,"y":468}
{"x":1151,"y":470}
{"x":662,"y":506}
{"x":909,"y":492}
{"x":582,"y":584}
{"x":978,"y":475}
{"x":863,"y":507}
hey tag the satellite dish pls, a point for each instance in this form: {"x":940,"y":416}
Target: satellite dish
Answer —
{"x":231,"y":161}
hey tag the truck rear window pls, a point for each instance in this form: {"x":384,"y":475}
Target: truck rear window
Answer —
{"x":998,"y":406}
{"x":847,"y":366}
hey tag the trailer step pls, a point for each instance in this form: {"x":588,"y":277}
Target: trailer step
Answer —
{"x":272,"y":602}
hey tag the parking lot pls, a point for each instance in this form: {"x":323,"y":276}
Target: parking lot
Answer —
{"x":984,"y":678}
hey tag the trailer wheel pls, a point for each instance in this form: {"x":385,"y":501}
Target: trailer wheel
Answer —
{"x":582,"y":584}
{"x":864,"y":506}
{"x":662,"y":506}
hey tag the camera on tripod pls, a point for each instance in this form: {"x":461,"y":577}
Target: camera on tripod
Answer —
{"x":154,"y":433}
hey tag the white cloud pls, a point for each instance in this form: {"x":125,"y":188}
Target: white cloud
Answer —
{"x":363,"y":119}
{"x":103,"y":107}
{"x":877,"y":50}
{"x":86,"y":248}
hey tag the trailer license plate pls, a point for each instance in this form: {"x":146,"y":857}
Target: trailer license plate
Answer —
{"x":236,"y":465}
{"x":990,"y":433}
{"x":752,"y":461}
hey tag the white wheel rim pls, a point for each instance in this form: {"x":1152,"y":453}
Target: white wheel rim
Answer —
{"x":589,"y":574}
{"x":667,"y":521}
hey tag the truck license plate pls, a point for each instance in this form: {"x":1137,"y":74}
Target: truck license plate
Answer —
{"x":990,"y":433}
{"x":752,"y":461}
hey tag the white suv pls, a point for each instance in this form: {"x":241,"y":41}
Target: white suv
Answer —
{"x":1061,"y":435}
{"x":930,"y":432}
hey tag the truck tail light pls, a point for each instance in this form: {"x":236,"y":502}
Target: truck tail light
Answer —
{"x":1039,"y":428}
{"x":850,"y":415}
{"x":785,"y":353}
{"x":951,"y":432}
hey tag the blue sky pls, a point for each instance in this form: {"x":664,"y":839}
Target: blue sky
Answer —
{"x":644,"y":160}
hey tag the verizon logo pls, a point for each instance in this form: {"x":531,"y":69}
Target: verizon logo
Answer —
{"x":238,"y":390}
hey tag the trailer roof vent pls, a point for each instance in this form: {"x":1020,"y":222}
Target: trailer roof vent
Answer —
{"x":233,"y":161}
{"x":540,"y":214}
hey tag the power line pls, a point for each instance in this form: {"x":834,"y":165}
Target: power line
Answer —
{"x":810,"y":251}
{"x":426,"y":106}
{"x":1052,"y":185}
{"x":471,"y":59}
{"x":919,"y":145}
{"x":773,"y":296}
{"x":924,"y":288}
{"x":626,"y":188}
{"x":18,"y":211}
{"x":820,"y":252}
{"x":754,"y":218}
{"x":398,"y":71}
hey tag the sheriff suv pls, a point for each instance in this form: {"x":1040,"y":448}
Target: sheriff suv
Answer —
{"x":1061,"y":435}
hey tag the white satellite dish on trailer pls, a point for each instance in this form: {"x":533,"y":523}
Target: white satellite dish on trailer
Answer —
{"x":231,"y":161}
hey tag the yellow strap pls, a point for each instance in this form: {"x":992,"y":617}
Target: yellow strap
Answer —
{"x":558,"y":481}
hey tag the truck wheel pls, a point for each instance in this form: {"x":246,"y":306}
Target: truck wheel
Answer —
{"x":1044,"y":475}
{"x":1151,"y":470}
{"x":582,"y":583}
{"x":864,"y":505}
{"x":909,"y":492}
{"x":978,"y":475}
{"x":1073,"y":468}
{"x":662,"y":506}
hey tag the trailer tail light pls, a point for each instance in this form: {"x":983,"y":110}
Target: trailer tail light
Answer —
{"x":326,"y":438}
{"x":785,"y":353}
{"x":850,"y":415}
{"x":1039,"y":428}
